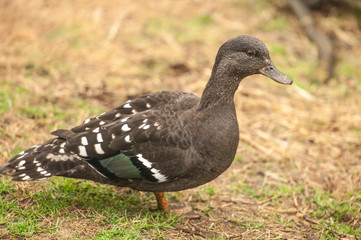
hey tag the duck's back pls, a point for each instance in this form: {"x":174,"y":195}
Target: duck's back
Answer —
{"x":142,"y":139}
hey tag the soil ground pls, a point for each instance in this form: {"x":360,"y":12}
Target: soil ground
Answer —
{"x":297,"y":174}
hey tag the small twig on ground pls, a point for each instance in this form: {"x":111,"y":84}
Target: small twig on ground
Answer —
{"x":260,"y":148}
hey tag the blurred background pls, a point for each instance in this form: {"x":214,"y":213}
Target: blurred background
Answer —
{"x":298,"y":168}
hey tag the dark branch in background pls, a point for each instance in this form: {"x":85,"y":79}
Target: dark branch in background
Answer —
{"x":324,"y":44}
{"x":354,"y":6}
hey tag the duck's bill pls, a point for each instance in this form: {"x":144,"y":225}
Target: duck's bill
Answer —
{"x":272,"y":72}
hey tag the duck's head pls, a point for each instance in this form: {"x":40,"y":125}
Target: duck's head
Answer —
{"x":243,"y":56}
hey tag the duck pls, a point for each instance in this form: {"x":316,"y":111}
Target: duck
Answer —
{"x":161,"y":142}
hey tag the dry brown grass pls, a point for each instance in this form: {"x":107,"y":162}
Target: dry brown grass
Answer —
{"x":87,"y":56}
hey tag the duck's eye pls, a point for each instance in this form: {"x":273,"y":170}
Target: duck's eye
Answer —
{"x":250,"y":53}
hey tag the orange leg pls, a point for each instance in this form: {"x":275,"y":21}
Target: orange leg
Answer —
{"x":162,"y":202}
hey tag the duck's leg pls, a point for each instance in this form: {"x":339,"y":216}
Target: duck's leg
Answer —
{"x":162,"y":202}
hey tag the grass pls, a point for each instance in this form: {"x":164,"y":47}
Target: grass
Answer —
{"x":121,"y":214}
{"x":332,"y":217}
{"x":296,"y":174}
{"x":5,"y":102}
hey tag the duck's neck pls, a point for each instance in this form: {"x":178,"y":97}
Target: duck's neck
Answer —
{"x":220,"y":88}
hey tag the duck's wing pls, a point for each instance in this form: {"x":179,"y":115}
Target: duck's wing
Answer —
{"x":142,"y":139}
